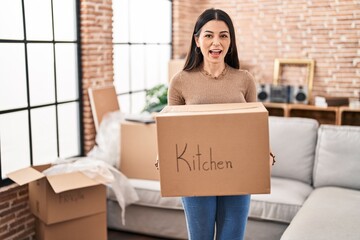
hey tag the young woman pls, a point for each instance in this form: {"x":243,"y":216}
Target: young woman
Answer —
{"x":211,"y":75}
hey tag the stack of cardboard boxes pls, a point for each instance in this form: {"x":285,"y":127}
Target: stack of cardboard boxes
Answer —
{"x":66,"y":206}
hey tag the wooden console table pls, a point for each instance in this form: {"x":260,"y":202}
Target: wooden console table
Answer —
{"x":324,"y":115}
{"x":349,"y":116}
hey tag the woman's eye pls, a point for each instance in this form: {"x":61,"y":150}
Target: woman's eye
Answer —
{"x":208,"y":36}
{"x":224,"y":36}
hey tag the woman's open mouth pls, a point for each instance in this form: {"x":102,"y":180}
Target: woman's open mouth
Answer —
{"x":215,"y":52}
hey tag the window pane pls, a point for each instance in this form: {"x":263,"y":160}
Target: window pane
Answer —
{"x":152,"y":65}
{"x":138,"y":102}
{"x":11,"y":20}
{"x":69,"y":139}
{"x":12,"y":76}
{"x":64,"y":20}
{"x":15,"y":146}
{"x":162,"y":32}
{"x":120,"y":21}
{"x":165,"y":22}
{"x":157,"y":58}
{"x":143,"y":63}
{"x":121,"y":68}
{"x":142,"y":21}
{"x":139,"y":12}
{"x":137,"y":67}
{"x":43,"y":129}
{"x":124,"y":102}
{"x":38,"y":19}
{"x":41,"y":73}
{"x":66,"y":71}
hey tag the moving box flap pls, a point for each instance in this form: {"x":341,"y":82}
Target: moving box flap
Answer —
{"x":70,"y":181}
{"x":42,"y":168}
{"x":25,"y":175}
{"x":103,"y":99}
{"x":212,"y":109}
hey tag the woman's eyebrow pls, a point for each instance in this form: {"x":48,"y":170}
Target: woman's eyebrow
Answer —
{"x":208,"y":31}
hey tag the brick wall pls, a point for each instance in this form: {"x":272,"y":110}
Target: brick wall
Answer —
{"x":184,"y":17}
{"x":16,"y":221}
{"x":97,"y":55}
{"x":324,"y":30}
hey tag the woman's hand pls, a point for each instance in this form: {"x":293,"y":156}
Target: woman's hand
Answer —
{"x":157,"y":162}
{"x":272,"y":159}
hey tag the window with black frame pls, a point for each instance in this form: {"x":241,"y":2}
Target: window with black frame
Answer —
{"x":39,"y":83}
{"x":142,"y":49}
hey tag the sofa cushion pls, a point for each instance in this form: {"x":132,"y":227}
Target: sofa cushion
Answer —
{"x":149,"y":195}
{"x":286,"y":198}
{"x":337,"y":159}
{"x":293,"y":141}
{"x":330,"y":213}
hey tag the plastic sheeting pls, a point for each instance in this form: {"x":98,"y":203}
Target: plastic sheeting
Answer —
{"x":101,"y":172}
{"x":102,"y":162}
{"x":107,"y":139}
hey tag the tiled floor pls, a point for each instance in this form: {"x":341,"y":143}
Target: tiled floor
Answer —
{"x":117,"y":235}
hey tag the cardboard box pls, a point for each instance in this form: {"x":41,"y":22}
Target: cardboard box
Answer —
{"x":213,"y":149}
{"x":86,"y":228}
{"x":175,"y":66}
{"x":138,"y":150}
{"x":61,"y":197}
{"x":103,"y":99}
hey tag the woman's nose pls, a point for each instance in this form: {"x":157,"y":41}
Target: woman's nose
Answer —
{"x":216,"y":42}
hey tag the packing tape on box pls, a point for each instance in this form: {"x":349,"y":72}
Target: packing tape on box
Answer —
{"x":184,"y":109}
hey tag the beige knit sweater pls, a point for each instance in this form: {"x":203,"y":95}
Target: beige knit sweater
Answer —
{"x":197,"y":87}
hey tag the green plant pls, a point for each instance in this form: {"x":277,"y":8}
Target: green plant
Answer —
{"x":156,"y":98}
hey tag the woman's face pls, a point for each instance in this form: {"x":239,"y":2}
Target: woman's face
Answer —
{"x":214,"y":41}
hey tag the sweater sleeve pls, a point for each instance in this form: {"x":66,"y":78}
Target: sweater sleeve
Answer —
{"x":251,"y":93}
{"x":175,"y":96}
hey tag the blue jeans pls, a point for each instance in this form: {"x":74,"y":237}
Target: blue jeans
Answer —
{"x":228,"y":213}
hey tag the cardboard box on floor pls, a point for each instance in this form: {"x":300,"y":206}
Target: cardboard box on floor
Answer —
{"x":138,"y":150}
{"x":62,"y":197}
{"x":213,"y":149}
{"x":91,"y":227}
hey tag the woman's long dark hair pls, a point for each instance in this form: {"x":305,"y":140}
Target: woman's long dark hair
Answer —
{"x":195,"y":58}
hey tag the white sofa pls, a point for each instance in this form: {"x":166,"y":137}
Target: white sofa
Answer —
{"x":314,"y":189}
